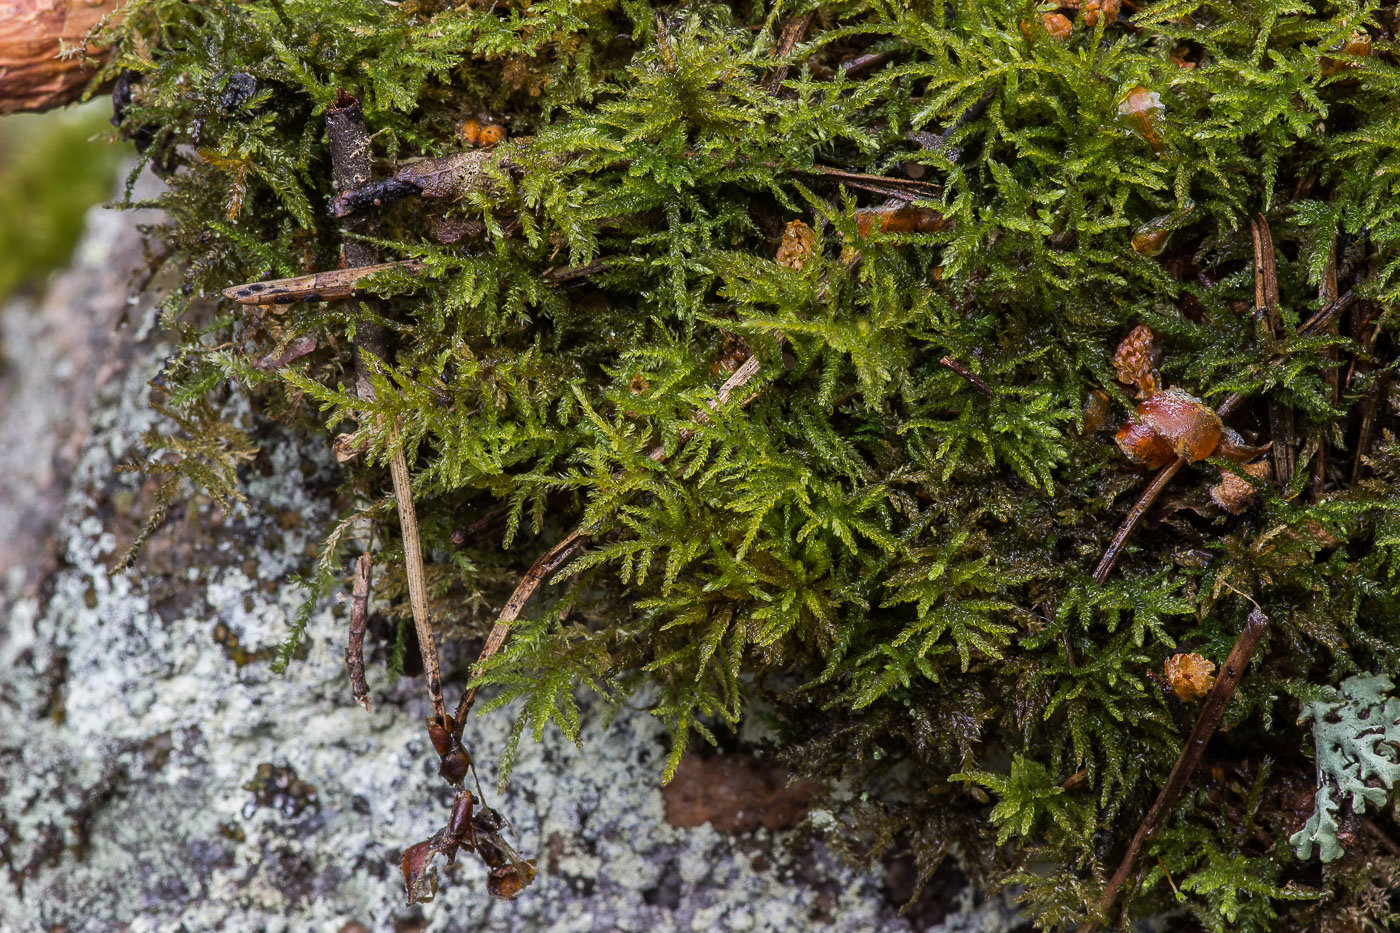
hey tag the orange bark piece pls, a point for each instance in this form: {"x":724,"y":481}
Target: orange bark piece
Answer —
{"x":33,"y":34}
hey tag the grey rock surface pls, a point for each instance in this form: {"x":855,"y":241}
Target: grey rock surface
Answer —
{"x":127,"y":733}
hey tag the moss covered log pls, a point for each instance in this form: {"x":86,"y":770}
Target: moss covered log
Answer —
{"x":926,"y":228}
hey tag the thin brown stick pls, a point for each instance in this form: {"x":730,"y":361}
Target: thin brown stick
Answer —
{"x":860,"y":64}
{"x":793,"y":32}
{"x":545,"y":564}
{"x":1389,"y":844}
{"x":1327,"y":291}
{"x":1186,"y":762}
{"x":1281,"y":421}
{"x":350,"y":162}
{"x":359,"y":617}
{"x":968,"y":374}
{"x":413,"y":572}
{"x":344,"y":283}
{"x":318,"y":286}
{"x":1135,"y":516}
{"x":1313,"y":325}
{"x":552,"y":559}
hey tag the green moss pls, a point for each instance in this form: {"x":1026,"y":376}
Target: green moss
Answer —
{"x":895,"y":561}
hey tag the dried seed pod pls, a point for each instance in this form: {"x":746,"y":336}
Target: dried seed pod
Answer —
{"x":1234,"y":494}
{"x":1190,"y":425}
{"x":453,"y":760}
{"x":491,"y":135}
{"x":1093,"y":9}
{"x":441,"y":735}
{"x":1056,"y":24}
{"x":1142,"y":110}
{"x":1143,"y":445}
{"x":459,"y":831}
{"x":1135,"y":360}
{"x":797,"y":246}
{"x":1190,"y":675}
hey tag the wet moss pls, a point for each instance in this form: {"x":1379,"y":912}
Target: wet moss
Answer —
{"x":889,"y":536}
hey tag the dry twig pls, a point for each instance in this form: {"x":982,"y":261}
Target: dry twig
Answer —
{"x":968,"y":374}
{"x":1186,"y":762}
{"x":794,"y":31}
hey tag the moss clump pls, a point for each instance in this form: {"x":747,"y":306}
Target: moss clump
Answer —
{"x":893,"y":558}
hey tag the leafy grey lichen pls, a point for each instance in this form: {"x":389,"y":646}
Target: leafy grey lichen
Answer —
{"x":1357,"y":730}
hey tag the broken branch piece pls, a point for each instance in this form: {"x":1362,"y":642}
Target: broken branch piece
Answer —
{"x":318,"y":286}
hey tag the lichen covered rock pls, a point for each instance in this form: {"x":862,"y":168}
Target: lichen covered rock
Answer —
{"x":150,"y":781}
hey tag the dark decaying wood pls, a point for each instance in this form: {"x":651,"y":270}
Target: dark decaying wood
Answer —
{"x":359,"y":617}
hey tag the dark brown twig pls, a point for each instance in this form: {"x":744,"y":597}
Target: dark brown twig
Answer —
{"x":968,"y":374}
{"x":1186,"y":762}
{"x":860,"y":64}
{"x":1313,"y":325}
{"x":359,"y":616}
{"x":794,"y":31}
{"x":344,"y":283}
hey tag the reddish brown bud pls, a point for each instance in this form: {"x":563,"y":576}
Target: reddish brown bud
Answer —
{"x":1191,"y":426}
{"x":1144,"y":446}
{"x":453,"y":766}
{"x":459,"y":827}
{"x":1057,"y":25}
{"x":1093,"y":9}
{"x":443,"y":735}
{"x":491,"y":135}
